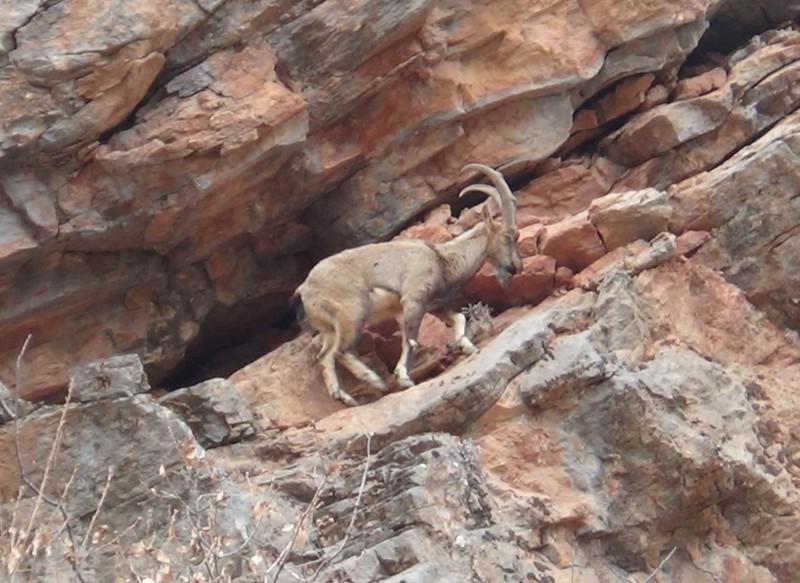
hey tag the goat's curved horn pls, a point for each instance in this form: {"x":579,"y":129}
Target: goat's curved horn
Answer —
{"x":485,"y":189}
{"x":504,"y":196}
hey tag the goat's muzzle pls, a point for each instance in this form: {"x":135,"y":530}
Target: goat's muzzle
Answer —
{"x":504,"y":273}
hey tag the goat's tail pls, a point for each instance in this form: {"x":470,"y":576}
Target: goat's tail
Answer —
{"x":296,"y":305}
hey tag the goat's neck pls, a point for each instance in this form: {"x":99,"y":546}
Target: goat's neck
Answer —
{"x":464,"y":255}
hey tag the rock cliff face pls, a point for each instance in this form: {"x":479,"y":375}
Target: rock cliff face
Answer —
{"x":168,"y":174}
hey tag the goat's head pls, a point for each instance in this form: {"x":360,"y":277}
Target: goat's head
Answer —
{"x":501,"y":249}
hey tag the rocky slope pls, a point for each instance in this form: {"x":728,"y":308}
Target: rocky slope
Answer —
{"x":168,"y":174}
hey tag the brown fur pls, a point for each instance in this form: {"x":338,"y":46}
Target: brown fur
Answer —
{"x":403,"y":280}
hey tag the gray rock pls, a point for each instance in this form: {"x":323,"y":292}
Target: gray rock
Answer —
{"x":159,"y":492}
{"x":679,"y":427}
{"x":574,"y":363}
{"x":660,"y":249}
{"x":118,"y":376}
{"x":217,"y":413}
{"x":11,"y":407}
{"x":425,"y":515}
{"x":622,"y":217}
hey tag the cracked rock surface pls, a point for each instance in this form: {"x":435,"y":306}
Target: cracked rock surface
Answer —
{"x":168,"y":175}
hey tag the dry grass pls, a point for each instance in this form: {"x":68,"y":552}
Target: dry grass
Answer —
{"x":39,"y":538}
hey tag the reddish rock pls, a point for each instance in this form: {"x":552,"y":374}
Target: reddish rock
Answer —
{"x":701,"y":84}
{"x":568,"y":187}
{"x":616,"y":24}
{"x":528,"y":241}
{"x":286,"y":239}
{"x":284,"y":387}
{"x":666,"y":127}
{"x":573,"y":242}
{"x":756,"y":242}
{"x":564,"y":278}
{"x":531,"y":286}
{"x":623,"y":217}
{"x":167,"y":177}
{"x":138,"y":296}
{"x":141,"y":147}
{"x":626,"y":97}
{"x":435,"y":227}
{"x":593,"y":276}
{"x":761,"y":79}
{"x":585,"y":119}
{"x":689,"y":241}
{"x":656,"y":95}
{"x":16,"y":241}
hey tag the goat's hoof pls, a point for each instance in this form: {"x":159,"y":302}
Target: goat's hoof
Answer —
{"x":467,"y":347}
{"x":377,"y":383}
{"x":348,"y":400}
{"x":405,"y":382}
{"x":344,"y":398}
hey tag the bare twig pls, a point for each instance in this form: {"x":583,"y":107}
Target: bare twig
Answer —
{"x":206,"y":547}
{"x":23,"y":477}
{"x":282,"y":557}
{"x":14,"y":527}
{"x":325,"y":561}
{"x":51,"y":458}
{"x":18,"y":380}
{"x":277,"y":565}
{"x":116,"y":540}
{"x":296,"y":576}
{"x":9,"y":413}
{"x":18,"y":370}
{"x":572,"y":566}
{"x":245,"y":542}
{"x":99,"y":508}
{"x":661,"y":564}
{"x":58,"y":507}
{"x":322,"y":460}
{"x":615,"y":571}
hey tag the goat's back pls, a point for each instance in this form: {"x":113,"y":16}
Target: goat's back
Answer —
{"x":343,"y":283}
{"x":393,"y":265}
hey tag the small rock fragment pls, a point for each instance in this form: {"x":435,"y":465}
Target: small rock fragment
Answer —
{"x":118,"y":376}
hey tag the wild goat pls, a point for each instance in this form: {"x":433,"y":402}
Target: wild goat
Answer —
{"x":404,"y":280}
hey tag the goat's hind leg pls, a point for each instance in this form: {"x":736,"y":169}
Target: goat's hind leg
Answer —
{"x":361,"y":371}
{"x":327,"y":344}
{"x":327,"y":361}
{"x":346,"y":336}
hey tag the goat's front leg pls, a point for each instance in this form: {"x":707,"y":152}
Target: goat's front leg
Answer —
{"x":458,"y":322}
{"x":412,"y":318}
